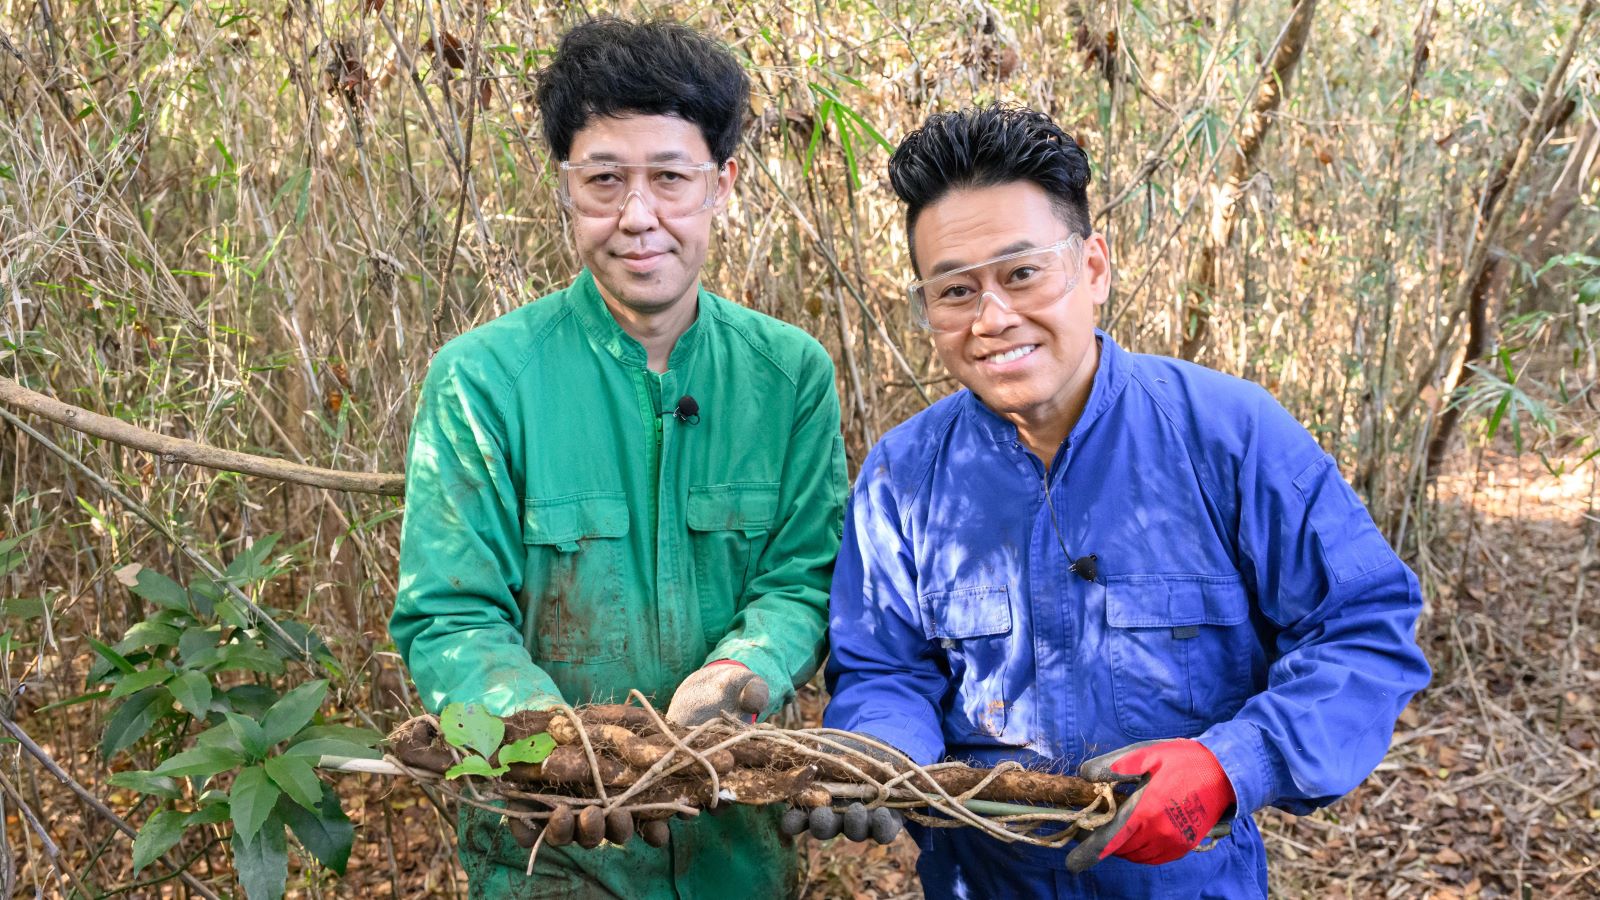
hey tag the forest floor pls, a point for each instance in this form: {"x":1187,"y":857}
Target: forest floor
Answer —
{"x":1491,"y":788}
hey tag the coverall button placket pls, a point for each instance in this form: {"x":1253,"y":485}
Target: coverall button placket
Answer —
{"x":670,"y":575}
{"x":1054,"y":602}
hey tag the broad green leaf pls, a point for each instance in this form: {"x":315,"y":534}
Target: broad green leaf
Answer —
{"x":531,"y":749}
{"x":198,"y":645}
{"x":192,"y":690}
{"x":160,"y":832}
{"x":138,"y":681}
{"x":212,"y":814}
{"x":470,"y":725}
{"x":160,"y":590}
{"x":263,"y":862}
{"x":326,"y":832}
{"x":294,"y":711}
{"x":147,"y":634}
{"x":204,"y":593}
{"x":224,"y":735}
{"x":297,"y":778}
{"x":252,"y":798}
{"x":132,"y":720}
{"x":251,"y":699}
{"x":162,"y":786}
{"x":320,"y":747}
{"x":349,"y":733}
{"x":476,"y":765}
{"x":252,"y":737}
{"x":201,"y":762}
{"x":248,"y":657}
{"x":305,"y":641}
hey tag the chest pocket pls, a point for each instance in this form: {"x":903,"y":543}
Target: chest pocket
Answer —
{"x":574,"y":576}
{"x":1182,"y":652}
{"x":973,"y":628}
{"x":728,"y":529}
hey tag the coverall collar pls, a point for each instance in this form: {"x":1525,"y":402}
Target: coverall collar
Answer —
{"x":1110,"y":377}
{"x":602,"y":327}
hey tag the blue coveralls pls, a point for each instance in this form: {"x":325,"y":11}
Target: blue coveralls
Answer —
{"x":1243,"y":597}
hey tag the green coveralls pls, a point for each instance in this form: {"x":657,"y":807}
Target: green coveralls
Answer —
{"x":565,"y":540}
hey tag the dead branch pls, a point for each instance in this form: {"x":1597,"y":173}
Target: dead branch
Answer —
{"x":193,"y":452}
{"x":1200,"y":281}
{"x":1474,"y":292}
{"x":100,"y":809}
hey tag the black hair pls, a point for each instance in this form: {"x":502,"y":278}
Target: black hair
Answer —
{"x":987,"y":146}
{"x":611,"y":67}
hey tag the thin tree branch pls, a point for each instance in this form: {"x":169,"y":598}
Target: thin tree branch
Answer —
{"x":105,"y":812}
{"x":193,"y":452}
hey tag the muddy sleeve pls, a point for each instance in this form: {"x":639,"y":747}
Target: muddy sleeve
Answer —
{"x":780,"y":633}
{"x":457,"y":621}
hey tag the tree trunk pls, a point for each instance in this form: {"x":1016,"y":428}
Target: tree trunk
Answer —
{"x":1200,"y":279}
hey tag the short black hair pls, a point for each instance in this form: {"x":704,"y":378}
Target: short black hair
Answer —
{"x":611,"y":67}
{"x":987,"y":146}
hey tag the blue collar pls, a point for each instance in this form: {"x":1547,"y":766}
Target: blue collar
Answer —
{"x":1110,"y":377}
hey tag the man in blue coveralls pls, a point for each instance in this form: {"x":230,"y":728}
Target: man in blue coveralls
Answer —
{"x":1090,"y":549}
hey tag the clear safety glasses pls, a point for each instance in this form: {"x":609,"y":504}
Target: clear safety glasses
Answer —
{"x":671,"y":191}
{"x":1024,"y":281}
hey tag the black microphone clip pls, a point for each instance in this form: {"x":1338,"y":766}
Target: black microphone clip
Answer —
{"x":687,"y":411}
{"x":1086,"y":567}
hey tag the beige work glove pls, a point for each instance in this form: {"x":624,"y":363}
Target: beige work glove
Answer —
{"x":717,"y":687}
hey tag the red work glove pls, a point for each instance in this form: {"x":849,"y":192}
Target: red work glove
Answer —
{"x":1182,"y":794}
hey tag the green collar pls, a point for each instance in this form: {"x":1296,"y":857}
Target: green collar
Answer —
{"x":602,"y":327}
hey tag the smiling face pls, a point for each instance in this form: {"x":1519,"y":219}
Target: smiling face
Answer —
{"x":1034,"y":368}
{"x":645,"y":264}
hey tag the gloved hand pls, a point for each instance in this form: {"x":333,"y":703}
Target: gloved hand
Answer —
{"x":1182,"y":794}
{"x":856,"y":822}
{"x":723,"y":685}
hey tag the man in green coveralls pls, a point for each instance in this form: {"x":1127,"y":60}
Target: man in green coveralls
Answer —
{"x":632,"y":482}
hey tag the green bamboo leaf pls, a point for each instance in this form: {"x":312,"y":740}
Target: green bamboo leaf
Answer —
{"x":138,"y":681}
{"x":252,"y":798}
{"x":111,"y":656}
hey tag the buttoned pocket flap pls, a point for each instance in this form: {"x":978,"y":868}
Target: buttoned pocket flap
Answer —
{"x":967,"y":613}
{"x":748,"y":507}
{"x":1166,"y":601}
{"x":564,"y":521}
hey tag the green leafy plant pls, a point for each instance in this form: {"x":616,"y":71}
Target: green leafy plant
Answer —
{"x":199,"y":684}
